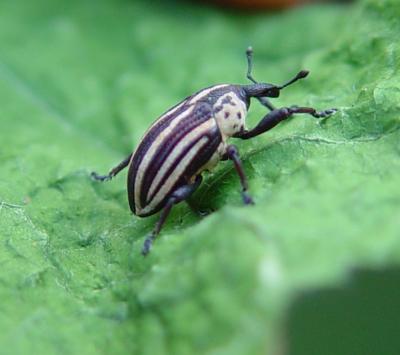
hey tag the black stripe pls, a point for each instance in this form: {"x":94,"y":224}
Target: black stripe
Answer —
{"x":144,"y":146}
{"x":205,"y":154}
{"x":174,"y":165}
{"x":201,"y":113}
{"x":201,"y":159}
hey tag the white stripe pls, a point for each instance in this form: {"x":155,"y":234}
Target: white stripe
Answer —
{"x":205,"y":92}
{"x":182,"y":145}
{"x":164,"y":115}
{"x":152,"y":150}
{"x":176,"y":174}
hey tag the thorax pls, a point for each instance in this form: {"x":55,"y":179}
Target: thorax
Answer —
{"x":230,"y":114}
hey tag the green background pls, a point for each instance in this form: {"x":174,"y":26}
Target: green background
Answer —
{"x":80,"y":81}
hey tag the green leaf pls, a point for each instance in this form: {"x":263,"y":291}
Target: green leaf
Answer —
{"x":80,"y":82}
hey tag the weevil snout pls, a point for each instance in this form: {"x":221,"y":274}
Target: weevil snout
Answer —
{"x":272,"y":91}
{"x":262,"y":90}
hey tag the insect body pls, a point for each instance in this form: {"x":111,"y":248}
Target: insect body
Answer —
{"x":181,"y":144}
{"x":192,"y":137}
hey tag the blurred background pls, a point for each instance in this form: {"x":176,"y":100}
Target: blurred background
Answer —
{"x":312,"y":268}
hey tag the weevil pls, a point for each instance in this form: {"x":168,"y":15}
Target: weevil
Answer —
{"x":192,"y":137}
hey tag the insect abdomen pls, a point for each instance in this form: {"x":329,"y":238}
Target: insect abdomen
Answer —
{"x":170,"y":154}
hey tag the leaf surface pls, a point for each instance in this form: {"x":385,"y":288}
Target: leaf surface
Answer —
{"x":79,"y":84}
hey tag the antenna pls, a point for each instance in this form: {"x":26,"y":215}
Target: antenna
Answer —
{"x":300,"y":75}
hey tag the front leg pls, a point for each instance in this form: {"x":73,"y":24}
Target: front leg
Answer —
{"x":232,"y":153}
{"x":278,"y":115}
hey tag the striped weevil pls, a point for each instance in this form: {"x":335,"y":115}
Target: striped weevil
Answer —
{"x":191,"y":137}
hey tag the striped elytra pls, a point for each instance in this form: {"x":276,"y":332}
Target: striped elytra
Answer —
{"x":191,"y":137}
{"x":183,"y":142}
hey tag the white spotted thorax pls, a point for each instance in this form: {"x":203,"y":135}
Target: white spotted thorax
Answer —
{"x":230,"y":113}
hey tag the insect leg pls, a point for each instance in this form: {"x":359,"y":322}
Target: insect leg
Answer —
{"x":232,"y":153}
{"x":123,"y":164}
{"x":192,"y":206}
{"x":278,"y":115}
{"x":180,"y":194}
{"x":265,"y":102}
